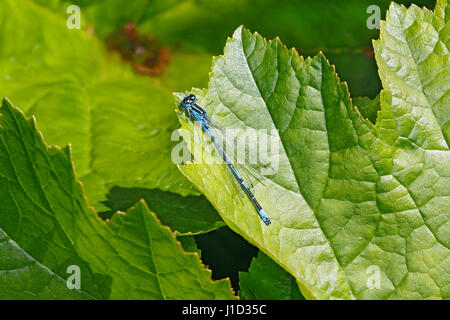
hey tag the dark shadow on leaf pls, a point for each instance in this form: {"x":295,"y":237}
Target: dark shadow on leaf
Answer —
{"x":226,"y":253}
{"x":191,"y":214}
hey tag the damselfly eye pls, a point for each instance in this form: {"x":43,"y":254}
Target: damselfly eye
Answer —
{"x":192,"y":97}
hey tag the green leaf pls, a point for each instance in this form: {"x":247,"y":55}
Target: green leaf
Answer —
{"x":368,"y":107}
{"x":266,"y":280}
{"x":358,"y":211}
{"x":46,"y":226}
{"x":200,"y":26}
{"x":413,"y":60}
{"x":106,"y":16}
{"x":194,"y":214}
{"x":338,"y":28}
{"x":186,"y":70}
{"x":189,"y":245}
{"x":119,"y":124}
{"x":23,"y":277}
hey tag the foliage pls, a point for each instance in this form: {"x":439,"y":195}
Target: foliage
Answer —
{"x":46,"y":226}
{"x":348,"y":196}
{"x":266,"y":280}
{"x":351,"y":199}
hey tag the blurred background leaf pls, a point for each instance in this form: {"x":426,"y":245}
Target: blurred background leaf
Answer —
{"x":119,"y":123}
{"x":336,"y":27}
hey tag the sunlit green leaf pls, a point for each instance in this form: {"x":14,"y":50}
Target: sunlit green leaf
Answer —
{"x":358,"y":211}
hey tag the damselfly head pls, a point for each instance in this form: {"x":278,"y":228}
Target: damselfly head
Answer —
{"x":189,"y":99}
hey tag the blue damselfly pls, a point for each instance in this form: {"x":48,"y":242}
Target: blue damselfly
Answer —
{"x":189,"y":109}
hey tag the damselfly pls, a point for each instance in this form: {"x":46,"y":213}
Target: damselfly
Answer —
{"x":192,"y":111}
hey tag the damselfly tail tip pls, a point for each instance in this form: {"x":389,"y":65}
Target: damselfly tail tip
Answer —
{"x":264,"y":216}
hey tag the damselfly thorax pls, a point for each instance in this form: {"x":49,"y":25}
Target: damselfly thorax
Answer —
{"x":192,"y":110}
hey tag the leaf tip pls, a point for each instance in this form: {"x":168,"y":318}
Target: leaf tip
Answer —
{"x":237,"y":34}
